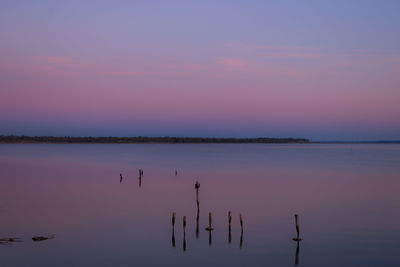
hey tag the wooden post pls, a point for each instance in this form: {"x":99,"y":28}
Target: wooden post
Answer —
{"x":297,"y":238}
{"x":241,"y":222}
{"x":229,"y":219}
{"x":173,"y":219}
{"x":197,"y":186}
{"x":209,"y":228}
{"x":184,"y":225}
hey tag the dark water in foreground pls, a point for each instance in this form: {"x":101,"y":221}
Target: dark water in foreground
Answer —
{"x":347,"y":197}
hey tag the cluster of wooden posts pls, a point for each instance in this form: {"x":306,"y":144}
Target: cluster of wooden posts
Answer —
{"x":209,"y":228}
{"x":140,"y":177}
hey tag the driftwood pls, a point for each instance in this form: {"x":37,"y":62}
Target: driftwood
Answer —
{"x":11,"y":239}
{"x":41,"y":238}
{"x":8,"y":240}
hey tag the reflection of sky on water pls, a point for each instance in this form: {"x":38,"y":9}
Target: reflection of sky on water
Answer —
{"x":346,"y":196}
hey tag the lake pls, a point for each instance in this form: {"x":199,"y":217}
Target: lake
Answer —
{"x":346,"y":195}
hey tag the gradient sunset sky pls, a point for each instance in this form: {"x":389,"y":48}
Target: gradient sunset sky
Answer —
{"x":324,"y":70}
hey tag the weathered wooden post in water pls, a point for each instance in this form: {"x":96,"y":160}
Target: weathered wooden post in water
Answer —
{"x":209,"y":228}
{"x":173,"y":220}
{"x":140,"y":177}
{"x":229,"y":219}
{"x":241,"y":222}
{"x":184,"y":225}
{"x":197,"y":186}
{"x":296,"y":217}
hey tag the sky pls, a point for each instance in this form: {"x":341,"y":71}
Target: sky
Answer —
{"x":323,"y":70}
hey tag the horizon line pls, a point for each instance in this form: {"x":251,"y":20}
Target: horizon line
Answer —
{"x":186,"y":139}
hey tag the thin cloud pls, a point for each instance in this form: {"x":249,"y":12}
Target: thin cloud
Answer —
{"x":232,"y":62}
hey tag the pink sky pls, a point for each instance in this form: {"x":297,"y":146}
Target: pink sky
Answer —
{"x":84,"y":76}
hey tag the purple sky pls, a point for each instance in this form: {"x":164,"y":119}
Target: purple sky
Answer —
{"x":324,"y":70}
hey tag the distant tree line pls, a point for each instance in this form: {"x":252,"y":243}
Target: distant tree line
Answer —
{"x":143,"y":139}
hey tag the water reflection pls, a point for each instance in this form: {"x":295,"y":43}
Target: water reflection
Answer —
{"x":229,"y":227}
{"x":297,"y":239}
{"x":184,"y":233}
{"x":296,"y":260}
{"x":197,"y":222}
{"x":173,"y":229}
{"x":241,"y":239}
{"x":366,"y":180}
{"x":241,"y":230}
{"x":209,"y":228}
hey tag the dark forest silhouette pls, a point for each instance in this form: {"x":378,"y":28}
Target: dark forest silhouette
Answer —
{"x":141,"y":139}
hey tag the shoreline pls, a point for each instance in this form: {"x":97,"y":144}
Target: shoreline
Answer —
{"x":145,"y":140}
{"x":171,"y":140}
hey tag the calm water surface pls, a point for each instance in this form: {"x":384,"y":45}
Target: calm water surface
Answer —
{"x":347,"y":197}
